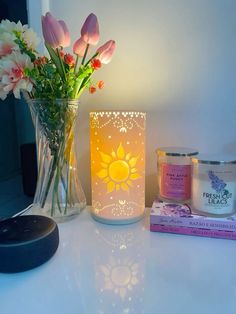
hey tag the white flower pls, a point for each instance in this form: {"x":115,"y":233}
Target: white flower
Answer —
{"x":7,"y":44}
{"x":10,"y":27}
{"x":3,"y":94}
{"x":24,"y":32}
{"x":31,"y":38}
{"x":12,"y":74}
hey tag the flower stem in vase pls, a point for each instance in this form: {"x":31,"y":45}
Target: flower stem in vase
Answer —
{"x":49,"y":181}
{"x":55,"y":192}
{"x":67,"y":187}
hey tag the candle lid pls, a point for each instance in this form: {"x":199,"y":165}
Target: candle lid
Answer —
{"x":176,"y":151}
{"x":214,"y":159}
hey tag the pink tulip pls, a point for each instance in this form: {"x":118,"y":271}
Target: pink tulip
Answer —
{"x":79,"y":47}
{"x":55,"y":32}
{"x":66,"y":42}
{"x":90,"y":30}
{"x":106,"y":51}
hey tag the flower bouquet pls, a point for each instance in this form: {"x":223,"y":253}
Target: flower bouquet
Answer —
{"x":52,"y":86}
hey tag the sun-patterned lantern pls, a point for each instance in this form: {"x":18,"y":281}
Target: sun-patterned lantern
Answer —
{"x":117,"y":165}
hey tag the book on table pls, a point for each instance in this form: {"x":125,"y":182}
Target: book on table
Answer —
{"x":181,"y":219}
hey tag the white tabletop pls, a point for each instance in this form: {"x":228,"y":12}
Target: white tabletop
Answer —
{"x":126,"y":269}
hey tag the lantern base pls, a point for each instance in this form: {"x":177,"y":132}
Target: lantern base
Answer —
{"x":116,"y":221}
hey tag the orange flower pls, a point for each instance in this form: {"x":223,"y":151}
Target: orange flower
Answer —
{"x":43,"y":60}
{"x":40,"y":60}
{"x":92,"y":89}
{"x":69,"y":59}
{"x":37,"y":61}
{"x":100,"y":84}
{"x":96,"y":64}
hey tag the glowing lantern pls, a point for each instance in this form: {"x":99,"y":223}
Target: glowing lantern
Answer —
{"x":117,"y":142}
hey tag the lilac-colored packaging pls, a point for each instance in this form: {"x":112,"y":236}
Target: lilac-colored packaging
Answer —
{"x":195,"y":231}
{"x":180,"y":215}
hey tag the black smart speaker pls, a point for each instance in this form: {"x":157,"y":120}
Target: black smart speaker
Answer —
{"x":27,"y":242}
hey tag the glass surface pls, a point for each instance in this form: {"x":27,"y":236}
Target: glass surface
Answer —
{"x":125,"y":270}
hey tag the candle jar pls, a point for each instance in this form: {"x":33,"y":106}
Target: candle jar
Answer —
{"x":214,"y":185}
{"x":174,"y":173}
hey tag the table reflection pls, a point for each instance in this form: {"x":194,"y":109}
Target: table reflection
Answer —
{"x":119,"y":276}
{"x":119,"y":268}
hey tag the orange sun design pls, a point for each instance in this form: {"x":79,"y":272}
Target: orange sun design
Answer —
{"x":118,"y":169}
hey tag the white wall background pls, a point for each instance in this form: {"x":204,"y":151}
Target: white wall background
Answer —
{"x":175,"y":59}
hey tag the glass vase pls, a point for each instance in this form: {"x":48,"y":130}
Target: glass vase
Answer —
{"x":59,"y":193}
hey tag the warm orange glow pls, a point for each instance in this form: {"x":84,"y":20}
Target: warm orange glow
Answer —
{"x":118,"y":170}
{"x":117,"y":165}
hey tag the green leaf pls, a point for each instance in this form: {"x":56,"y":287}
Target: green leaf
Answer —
{"x":56,"y":61}
{"x":77,"y":86}
{"x":23,"y":46}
